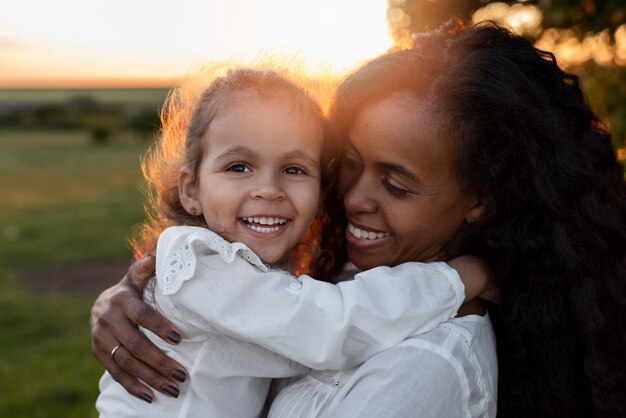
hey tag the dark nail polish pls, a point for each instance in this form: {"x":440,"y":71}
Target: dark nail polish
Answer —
{"x":171,"y":390}
{"x":173,"y":337}
{"x":179,"y":375}
{"x":146,"y":397}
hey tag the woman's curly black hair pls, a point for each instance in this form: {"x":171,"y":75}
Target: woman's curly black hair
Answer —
{"x":554,"y":225}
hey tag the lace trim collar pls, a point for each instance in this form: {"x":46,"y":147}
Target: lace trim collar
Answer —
{"x":180,"y":264}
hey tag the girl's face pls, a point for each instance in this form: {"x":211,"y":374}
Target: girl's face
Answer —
{"x":259,"y":182}
{"x":402,"y":199}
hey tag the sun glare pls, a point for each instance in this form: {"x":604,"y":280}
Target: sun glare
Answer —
{"x":75,"y":39}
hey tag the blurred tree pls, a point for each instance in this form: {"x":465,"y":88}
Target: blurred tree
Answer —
{"x":409,"y":16}
{"x":101,"y":134}
{"x":585,"y":16}
{"x":590,"y":28}
{"x":143,"y":123}
{"x":606,"y":90}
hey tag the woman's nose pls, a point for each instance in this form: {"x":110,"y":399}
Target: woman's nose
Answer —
{"x":360,"y":197}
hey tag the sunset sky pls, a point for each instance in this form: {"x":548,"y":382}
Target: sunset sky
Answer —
{"x":96,"y":42}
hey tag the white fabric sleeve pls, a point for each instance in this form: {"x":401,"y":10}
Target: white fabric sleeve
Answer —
{"x":405,"y":381}
{"x":317,"y":324}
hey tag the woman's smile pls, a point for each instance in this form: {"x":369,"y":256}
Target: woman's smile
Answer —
{"x":361,"y":240}
{"x":363,"y":233}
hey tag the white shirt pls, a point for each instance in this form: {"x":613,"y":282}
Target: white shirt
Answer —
{"x":448,"y":372}
{"x":244,"y":323}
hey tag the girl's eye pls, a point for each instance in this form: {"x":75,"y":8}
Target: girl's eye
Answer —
{"x":395,"y":191}
{"x":294,"y":170}
{"x":238,"y":168}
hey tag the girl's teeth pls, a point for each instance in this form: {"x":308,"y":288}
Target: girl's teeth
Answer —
{"x":264,"y":230}
{"x":266,"y":220}
{"x":366,"y":235}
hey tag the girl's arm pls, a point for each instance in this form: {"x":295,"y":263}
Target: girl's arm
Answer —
{"x":320,"y":325}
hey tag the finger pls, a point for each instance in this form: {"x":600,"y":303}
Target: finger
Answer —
{"x":101,"y":343}
{"x":138,"y":312}
{"x":131,"y":384}
{"x":147,"y":317}
{"x":127,"y":368}
{"x":135,"y":369}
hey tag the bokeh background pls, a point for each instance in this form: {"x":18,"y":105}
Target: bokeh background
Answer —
{"x":81,"y":84}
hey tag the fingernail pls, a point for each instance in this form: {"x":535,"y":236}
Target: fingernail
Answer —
{"x":171,"y":390}
{"x":146,"y":397}
{"x":173,"y":337}
{"x":179,"y":375}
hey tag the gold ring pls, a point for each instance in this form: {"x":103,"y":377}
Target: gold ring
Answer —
{"x":114,"y":350}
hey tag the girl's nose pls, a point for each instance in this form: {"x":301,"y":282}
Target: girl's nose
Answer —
{"x":268,"y":187}
{"x":359,"y":197}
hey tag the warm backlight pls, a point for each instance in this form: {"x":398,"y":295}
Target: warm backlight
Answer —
{"x":43,"y":42}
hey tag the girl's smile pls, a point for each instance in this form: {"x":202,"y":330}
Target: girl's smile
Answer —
{"x":268,"y":226}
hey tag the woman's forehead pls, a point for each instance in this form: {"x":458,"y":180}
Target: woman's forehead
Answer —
{"x":401,"y":129}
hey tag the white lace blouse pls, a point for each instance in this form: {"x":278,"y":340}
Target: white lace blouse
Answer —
{"x":244,"y":323}
{"x":448,"y":372}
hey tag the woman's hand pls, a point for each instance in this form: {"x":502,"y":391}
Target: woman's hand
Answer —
{"x":114,"y":319}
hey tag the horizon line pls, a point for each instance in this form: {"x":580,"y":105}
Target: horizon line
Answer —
{"x":17,"y":83}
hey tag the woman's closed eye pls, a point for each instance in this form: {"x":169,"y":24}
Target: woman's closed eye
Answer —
{"x":393,"y":189}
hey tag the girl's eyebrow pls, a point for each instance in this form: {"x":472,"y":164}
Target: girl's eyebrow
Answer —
{"x":236,"y":151}
{"x":301,"y":155}
{"x":242,"y":151}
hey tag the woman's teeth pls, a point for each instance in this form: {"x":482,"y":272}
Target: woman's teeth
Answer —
{"x":362,"y":234}
{"x":278,"y":222}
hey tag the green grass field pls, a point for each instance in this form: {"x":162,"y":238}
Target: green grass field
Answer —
{"x":64,"y":201}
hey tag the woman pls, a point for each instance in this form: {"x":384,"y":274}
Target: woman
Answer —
{"x":518,"y":138}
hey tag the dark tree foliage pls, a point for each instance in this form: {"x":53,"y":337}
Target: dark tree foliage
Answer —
{"x":603,"y":85}
{"x":583,"y":15}
{"x":144,"y":123}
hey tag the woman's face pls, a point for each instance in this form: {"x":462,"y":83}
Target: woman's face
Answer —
{"x":402,"y":198}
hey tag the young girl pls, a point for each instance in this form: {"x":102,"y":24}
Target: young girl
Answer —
{"x":242,"y":192}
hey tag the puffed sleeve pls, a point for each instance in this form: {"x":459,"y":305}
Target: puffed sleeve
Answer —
{"x":317,"y":324}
